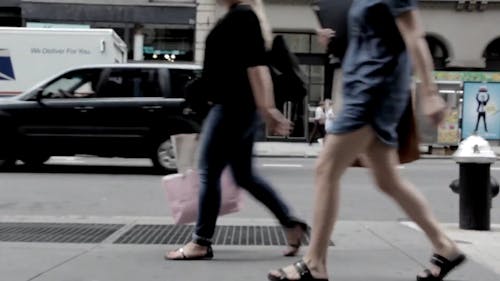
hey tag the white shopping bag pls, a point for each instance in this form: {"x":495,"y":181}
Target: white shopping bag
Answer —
{"x":182,"y":193}
{"x":186,"y":151}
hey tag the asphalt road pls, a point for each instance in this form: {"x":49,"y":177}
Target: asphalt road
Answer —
{"x":118,"y":187}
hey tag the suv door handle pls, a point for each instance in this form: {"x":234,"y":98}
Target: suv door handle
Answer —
{"x":152,"y":107}
{"x":84,"y":108}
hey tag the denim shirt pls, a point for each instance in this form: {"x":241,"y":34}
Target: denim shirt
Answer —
{"x":377,"y":55}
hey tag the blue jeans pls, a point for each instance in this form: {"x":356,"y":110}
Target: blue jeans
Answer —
{"x":227,"y":139}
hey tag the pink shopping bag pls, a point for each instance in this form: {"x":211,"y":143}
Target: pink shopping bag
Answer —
{"x":182,"y":192}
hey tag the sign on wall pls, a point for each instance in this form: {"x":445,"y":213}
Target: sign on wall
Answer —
{"x":448,"y":131}
{"x":467,"y":76}
{"x":481,"y":110}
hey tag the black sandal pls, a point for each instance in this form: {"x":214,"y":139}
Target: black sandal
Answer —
{"x":208,"y":256}
{"x":296,"y":246}
{"x":444,"y":264}
{"x":302,"y":269}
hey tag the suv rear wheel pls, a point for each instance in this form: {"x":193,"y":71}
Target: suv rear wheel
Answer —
{"x":164,"y":156}
{"x":35,"y":160}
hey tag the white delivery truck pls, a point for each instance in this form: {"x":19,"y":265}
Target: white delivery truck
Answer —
{"x":29,"y":55}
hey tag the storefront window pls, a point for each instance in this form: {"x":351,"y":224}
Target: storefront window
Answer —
{"x":317,"y":74}
{"x":307,"y":45}
{"x":162,"y":44}
{"x":316,"y":93}
{"x":312,"y":58}
{"x":315,"y":46}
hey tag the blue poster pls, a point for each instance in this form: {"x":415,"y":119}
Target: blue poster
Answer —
{"x":481,"y":110}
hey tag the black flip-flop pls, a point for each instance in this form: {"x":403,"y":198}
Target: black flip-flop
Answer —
{"x":208,"y":256}
{"x":302,"y":269}
{"x":444,"y":264}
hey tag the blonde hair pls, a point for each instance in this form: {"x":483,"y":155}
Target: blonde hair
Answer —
{"x":258,"y":8}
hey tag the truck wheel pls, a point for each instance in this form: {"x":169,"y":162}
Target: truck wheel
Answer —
{"x":35,"y":160}
{"x":163,"y":157}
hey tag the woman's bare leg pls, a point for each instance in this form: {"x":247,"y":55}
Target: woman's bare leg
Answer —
{"x":338,"y":154}
{"x":383,"y":162}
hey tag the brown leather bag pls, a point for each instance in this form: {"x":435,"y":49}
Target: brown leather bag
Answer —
{"x":408,"y":147}
{"x":409,"y":140}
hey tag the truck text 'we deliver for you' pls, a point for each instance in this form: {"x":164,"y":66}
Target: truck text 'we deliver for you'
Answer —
{"x":29,"y":55}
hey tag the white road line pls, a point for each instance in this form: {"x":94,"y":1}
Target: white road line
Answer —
{"x":401,"y":167}
{"x":411,"y":225}
{"x":282,"y":166}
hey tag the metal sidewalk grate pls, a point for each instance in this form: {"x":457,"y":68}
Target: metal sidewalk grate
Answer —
{"x":56,"y":232}
{"x":224,"y":235}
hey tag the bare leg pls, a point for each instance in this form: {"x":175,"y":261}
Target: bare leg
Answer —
{"x":383,"y":162}
{"x":339,"y":153}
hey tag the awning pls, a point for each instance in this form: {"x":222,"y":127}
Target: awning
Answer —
{"x":10,"y":3}
{"x":292,"y":18}
{"x":175,"y":15}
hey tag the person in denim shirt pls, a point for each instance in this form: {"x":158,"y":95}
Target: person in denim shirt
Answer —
{"x":377,"y":69}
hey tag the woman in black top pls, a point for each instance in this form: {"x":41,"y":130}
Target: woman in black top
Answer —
{"x":238,"y":81}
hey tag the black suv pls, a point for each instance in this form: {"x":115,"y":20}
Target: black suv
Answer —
{"x":122,"y":110}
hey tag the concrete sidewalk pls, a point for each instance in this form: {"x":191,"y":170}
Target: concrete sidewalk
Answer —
{"x":379,"y":251}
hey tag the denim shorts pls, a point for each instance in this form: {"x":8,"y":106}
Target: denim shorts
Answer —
{"x":379,"y":108}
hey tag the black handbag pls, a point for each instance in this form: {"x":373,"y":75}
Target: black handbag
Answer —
{"x":288,"y":78}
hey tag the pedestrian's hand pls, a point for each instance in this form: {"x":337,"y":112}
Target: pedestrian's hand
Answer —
{"x":434,"y":107}
{"x":325,"y":35}
{"x":277,"y":122}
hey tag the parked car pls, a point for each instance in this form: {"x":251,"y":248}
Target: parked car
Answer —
{"x":121,"y":110}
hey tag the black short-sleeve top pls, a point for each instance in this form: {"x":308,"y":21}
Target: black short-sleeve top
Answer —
{"x":235,"y":44}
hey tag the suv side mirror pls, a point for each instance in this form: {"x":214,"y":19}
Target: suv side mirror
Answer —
{"x":39,"y":95}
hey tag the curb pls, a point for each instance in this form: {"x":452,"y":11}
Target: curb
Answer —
{"x":285,"y":156}
{"x":426,"y":157}
{"x":422,"y":157}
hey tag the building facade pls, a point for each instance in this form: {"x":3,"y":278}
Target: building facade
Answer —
{"x":153,"y":29}
{"x":462,"y":35}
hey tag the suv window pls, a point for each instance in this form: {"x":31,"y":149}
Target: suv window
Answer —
{"x":179,"y":78}
{"x":76,"y":84}
{"x":129,"y":83}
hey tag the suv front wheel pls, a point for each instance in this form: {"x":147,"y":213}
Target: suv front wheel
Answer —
{"x":164,"y":156}
{"x":6,"y":163}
